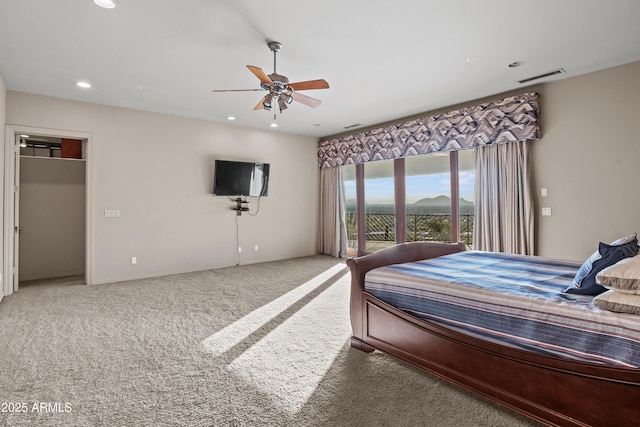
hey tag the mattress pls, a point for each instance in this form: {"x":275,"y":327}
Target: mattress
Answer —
{"x":514,"y":300}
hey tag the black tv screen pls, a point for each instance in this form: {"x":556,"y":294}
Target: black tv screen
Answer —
{"x":232,"y":178}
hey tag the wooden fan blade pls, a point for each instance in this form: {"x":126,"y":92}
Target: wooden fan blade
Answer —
{"x":236,"y":90}
{"x":260,"y":74}
{"x":311,"y":84}
{"x":306,"y":100}
{"x":260,"y":105}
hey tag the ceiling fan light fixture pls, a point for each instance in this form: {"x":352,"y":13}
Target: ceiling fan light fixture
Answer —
{"x":282,"y":104}
{"x":268,"y":100}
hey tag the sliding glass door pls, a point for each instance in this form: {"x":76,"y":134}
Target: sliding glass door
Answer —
{"x":419,"y":198}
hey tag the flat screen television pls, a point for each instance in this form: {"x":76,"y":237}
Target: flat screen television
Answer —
{"x":231,"y":178}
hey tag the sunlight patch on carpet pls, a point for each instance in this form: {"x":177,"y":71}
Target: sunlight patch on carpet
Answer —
{"x":289,"y":362}
{"x":228,"y":337}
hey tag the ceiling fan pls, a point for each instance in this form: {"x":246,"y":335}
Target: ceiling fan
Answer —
{"x":281,"y":92}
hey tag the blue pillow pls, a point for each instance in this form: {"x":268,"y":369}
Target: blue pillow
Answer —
{"x":585,"y":281}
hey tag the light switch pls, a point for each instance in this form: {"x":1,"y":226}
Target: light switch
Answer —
{"x":543,"y":192}
{"x":546,"y":211}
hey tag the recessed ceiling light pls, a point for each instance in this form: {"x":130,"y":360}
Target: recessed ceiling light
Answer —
{"x":85,"y":85}
{"x":107,"y":4}
{"x":231,"y":118}
{"x":274,"y":125}
{"x":470,"y":59}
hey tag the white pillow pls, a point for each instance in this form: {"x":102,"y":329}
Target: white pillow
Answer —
{"x":618,"y":302}
{"x":623,"y":276}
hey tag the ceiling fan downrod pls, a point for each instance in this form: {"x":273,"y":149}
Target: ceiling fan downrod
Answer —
{"x":275,"y":48}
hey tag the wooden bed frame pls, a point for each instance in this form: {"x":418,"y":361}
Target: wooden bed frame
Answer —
{"x":547,"y":389}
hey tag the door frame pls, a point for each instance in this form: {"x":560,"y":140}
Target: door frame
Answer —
{"x":11,"y":133}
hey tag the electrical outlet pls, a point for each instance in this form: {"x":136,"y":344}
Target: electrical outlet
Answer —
{"x":255,"y":248}
{"x":546,"y":211}
{"x":112,"y":213}
{"x":134,"y":260}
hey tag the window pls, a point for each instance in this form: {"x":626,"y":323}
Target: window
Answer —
{"x":466,"y":184}
{"x":379,"y":197}
{"x":417,"y":198}
{"x":428,"y":198}
{"x":349,"y":180}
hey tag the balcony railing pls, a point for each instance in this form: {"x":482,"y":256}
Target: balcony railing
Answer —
{"x":420,"y":227}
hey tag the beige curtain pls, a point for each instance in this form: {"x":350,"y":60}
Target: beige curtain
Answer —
{"x":332,"y":230}
{"x":503,"y":199}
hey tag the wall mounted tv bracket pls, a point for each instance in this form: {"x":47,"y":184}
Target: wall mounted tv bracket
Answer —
{"x":240,"y":206}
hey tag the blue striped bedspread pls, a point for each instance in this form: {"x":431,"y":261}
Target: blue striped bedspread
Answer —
{"x":514,"y":300}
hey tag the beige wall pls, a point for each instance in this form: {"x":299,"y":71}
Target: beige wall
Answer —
{"x":3,"y":95}
{"x":588,"y":160}
{"x":52,"y":218}
{"x":157,"y":171}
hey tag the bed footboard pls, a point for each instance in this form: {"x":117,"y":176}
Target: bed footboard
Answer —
{"x":405,"y":252}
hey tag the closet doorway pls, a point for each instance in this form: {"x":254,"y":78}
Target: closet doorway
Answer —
{"x":47,"y":206}
{"x":51,"y":211}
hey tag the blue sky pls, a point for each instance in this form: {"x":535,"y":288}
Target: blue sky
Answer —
{"x":380,"y":190}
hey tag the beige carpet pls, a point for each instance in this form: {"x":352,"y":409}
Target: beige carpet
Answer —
{"x":257,"y":345}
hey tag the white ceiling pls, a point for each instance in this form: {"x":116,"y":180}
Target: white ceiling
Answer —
{"x":384,"y":60}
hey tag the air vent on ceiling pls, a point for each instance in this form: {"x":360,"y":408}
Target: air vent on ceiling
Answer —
{"x":542,"y":76}
{"x":352,"y":126}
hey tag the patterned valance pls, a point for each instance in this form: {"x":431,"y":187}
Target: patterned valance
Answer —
{"x":506,"y":120}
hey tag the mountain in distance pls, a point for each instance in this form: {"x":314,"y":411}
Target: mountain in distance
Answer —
{"x":441,"y":201}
